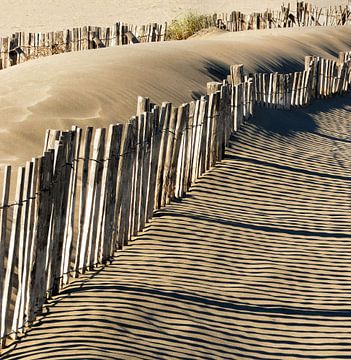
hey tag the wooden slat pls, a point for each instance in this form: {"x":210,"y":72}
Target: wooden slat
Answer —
{"x":165,"y":115}
{"x":84,"y":173}
{"x":37,"y":275}
{"x":23,"y":250}
{"x":321,"y":77}
{"x":189,"y":148}
{"x":178,"y":191}
{"x":12,"y":260}
{"x":140,"y":152}
{"x":294,"y":88}
{"x":251,"y":89}
{"x":4,"y":238}
{"x":240,"y":104}
{"x":196,"y":152}
{"x":271,"y":90}
{"x":125,"y":180}
{"x":109,"y":219}
{"x":303,"y":75}
{"x":214,"y":119}
{"x":168,"y":157}
{"x":237,"y":73}
{"x":156,"y":128}
{"x":145,"y":163}
{"x":265,"y":88}
{"x":29,"y":258}
{"x":89,"y":237}
{"x":106,"y":185}
{"x":182,"y":116}
{"x":203,"y":140}
{"x":234,"y":106}
{"x":59,"y":190}
{"x":73,"y":160}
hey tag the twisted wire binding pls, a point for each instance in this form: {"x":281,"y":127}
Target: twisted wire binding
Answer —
{"x":57,"y":176}
{"x":130,"y":151}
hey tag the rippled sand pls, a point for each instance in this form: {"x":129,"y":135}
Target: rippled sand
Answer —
{"x":253,"y":264}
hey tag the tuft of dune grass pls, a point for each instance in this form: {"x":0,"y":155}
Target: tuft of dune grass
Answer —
{"x":187,"y":25}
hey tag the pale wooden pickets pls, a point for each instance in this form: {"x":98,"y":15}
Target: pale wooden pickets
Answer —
{"x":165,"y":116}
{"x":87,"y":254}
{"x":62,"y":179}
{"x":4,"y":239}
{"x":148,"y":119}
{"x":165,"y":197}
{"x":157,"y":122}
{"x":23,"y":248}
{"x":124,"y":186}
{"x":21,"y":47}
{"x":196,"y":151}
{"x":84,"y":173}
{"x":30,"y":246}
{"x":188,"y":151}
{"x":70,"y":228}
{"x":137,"y":188}
{"x":77,"y":204}
{"x":109,"y":219}
{"x":203,"y":137}
{"x":9,"y":284}
{"x":38,"y":283}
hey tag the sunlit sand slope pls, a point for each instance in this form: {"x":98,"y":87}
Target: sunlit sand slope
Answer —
{"x":253,"y":264}
{"x":100,"y":87}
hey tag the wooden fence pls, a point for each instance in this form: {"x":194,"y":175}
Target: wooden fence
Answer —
{"x":321,"y":78}
{"x":304,"y":14}
{"x":21,"y":46}
{"x":91,"y":192}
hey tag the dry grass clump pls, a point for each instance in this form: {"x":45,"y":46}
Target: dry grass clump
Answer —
{"x":188,"y":25}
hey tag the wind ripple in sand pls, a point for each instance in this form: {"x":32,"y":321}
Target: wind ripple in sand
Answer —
{"x":253,"y":264}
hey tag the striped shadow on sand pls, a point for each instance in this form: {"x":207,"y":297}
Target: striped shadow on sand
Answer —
{"x":253,"y":264}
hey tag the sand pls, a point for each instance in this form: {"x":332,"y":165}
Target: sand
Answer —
{"x":51,"y":15}
{"x":253,"y":264}
{"x":100,"y":87}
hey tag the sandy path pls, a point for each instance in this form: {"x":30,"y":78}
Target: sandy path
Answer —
{"x":253,"y":264}
{"x":51,"y":15}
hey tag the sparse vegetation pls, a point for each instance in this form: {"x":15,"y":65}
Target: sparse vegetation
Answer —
{"x":188,"y":25}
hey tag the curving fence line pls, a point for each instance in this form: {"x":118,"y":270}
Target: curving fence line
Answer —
{"x":304,"y":15}
{"x":91,"y":191}
{"x":21,"y":46}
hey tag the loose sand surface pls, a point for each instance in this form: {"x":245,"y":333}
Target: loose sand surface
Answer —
{"x":253,"y":264}
{"x":51,"y":15}
{"x":100,"y":87}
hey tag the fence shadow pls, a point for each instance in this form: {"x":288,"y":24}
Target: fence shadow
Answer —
{"x":253,"y":264}
{"x":299,"y":120}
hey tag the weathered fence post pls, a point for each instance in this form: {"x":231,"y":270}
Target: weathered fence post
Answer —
{"x":7,"y":311}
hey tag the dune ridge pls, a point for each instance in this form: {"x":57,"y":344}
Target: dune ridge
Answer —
{"x":100,"y":87}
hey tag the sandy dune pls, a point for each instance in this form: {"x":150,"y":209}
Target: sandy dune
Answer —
{"x":253,"y":264}
{"x":100,"y":87}
{"x":51,"y":15}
